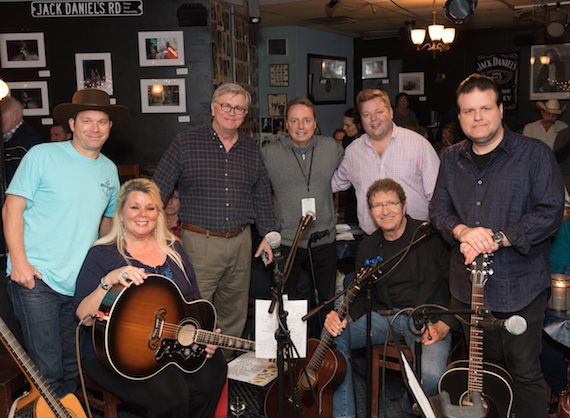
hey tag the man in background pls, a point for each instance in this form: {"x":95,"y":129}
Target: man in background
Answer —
{"x":58,"y":133}
{"x":548,"y":126}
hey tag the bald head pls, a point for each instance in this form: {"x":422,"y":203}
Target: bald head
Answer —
{"x":12,"y":113}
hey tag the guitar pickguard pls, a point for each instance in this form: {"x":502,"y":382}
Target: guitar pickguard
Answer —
{"x":172,"y":350}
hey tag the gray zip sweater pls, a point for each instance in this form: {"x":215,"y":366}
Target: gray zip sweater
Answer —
{"x":291,"y":174}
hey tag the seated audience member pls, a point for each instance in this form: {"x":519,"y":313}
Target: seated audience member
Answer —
{"x":450,"y":134}
{"x":58,"y":133}
{"x":140,"y":244}
{"x":548,"y":126}
{"x":351,"y":126}
{"x":339,"y":135}
{"x":403,"y":115}
{"x":421,"y":278}
{"x":171,"y":210}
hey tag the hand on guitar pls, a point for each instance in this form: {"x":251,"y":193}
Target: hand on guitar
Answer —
{"x":210,"y":348}
{"x":126,"y":276}
{"x":475,"y":241}
{"x":434,"y":333}
{"x":334,"y":325}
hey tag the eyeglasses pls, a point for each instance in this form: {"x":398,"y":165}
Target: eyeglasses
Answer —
{"x":389,"y":205}
{"x":227,"y":108}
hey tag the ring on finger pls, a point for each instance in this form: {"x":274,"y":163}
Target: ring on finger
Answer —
{"x":125,"y":275}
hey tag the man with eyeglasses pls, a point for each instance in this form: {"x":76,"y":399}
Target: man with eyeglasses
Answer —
{"x":422,"y":277}
{"x":387,"y":151}
{"x":224,"y":188}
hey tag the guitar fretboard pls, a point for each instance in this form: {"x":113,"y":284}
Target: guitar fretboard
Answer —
{"x":224,"y":341}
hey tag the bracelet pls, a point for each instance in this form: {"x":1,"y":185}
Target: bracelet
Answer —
{"x":461,"y":233}
{"x":106,"y":287}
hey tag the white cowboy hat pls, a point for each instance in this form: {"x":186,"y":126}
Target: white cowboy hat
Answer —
{"x":551,"y":106}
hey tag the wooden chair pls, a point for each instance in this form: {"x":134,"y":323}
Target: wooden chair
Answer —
{"x":130,"y":171}
{"x":392,"y":363}
{"x":99,"y":398}
{"x":12,"y":380}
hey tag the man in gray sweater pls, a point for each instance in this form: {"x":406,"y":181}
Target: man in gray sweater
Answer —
{"x":300,"y":168}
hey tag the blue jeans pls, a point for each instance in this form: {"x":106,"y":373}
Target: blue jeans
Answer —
{"x":434,"y":357}
{"x":49,"y":325}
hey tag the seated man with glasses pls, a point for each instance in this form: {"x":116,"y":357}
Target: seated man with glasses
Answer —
{"x":224,"y":188}
{"x":421,"y":277}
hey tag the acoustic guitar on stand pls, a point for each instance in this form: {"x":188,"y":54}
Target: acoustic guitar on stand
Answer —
{"x":41,"y":401}
{"x":464,"y":377}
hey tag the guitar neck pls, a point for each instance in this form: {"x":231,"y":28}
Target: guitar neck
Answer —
{"x":31,"y":371}
{"x":223,"y":341}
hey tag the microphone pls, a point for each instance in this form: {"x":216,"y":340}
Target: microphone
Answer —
{"x":274,"y":241}
{"x":515,"y":325}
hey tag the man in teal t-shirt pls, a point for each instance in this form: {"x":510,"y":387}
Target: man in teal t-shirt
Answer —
{"x":60,"y":197}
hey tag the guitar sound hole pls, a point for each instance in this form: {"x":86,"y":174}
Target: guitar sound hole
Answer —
{"x":466,"y":401}
{"x":187,"y":335}
{"x":313,"y":378}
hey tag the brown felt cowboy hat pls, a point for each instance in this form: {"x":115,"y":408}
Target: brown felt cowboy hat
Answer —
{"x":90,"y":99}
{"x":551,"y":106}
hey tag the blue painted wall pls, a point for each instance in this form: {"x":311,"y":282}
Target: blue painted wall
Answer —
{"x":303,"y":41}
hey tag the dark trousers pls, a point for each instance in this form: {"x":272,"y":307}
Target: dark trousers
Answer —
{"x":171,"y":393}
{"x":519,"y":355}
{"x":324,"y":265}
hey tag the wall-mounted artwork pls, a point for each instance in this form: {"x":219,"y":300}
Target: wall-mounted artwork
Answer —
{"x":327,"y":79}
{"x":22,"y":50}
{"x":376,"y":67}
{"x":33,"y":95}
{"x":277,"y":104}
{"x":163,"y":96}
{"x":161,"y":48}
{"x":412,"y":83}
{"x":550,"y":72}
{"x":277,"y":46}
{"x":94,"y":71}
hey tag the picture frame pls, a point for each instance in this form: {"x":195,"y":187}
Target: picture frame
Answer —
{"x":279,"y":75}
{"x":542,"y":87}
{"x":326,"y":79}
{"x":33,"y":95}
{"x":93,"y":70}
{"x":277,"y":104}
{"x":277,"y":47}
{"x":22,"y":50}
{"x":412,"y":83}
{"x":374,"y":67}
{"x":164,"y":48}
{"x":163,"y":95}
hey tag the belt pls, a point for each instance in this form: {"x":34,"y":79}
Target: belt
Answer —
{"x":214,"y":234}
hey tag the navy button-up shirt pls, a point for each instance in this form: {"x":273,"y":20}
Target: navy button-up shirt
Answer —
{"x":520,"y":192}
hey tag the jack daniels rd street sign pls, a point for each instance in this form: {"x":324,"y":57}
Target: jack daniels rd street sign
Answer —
{"x":101,"y":8}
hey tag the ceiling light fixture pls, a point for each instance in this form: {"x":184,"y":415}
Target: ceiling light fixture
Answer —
{"x":4,"y":89}
{"x":440,"y":36}
{"x":558,"y":20}
{"x":253,"y":10}
{"x":459,"y":11}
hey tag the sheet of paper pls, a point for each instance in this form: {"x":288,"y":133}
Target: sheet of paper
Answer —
{"x":255,"y":371}
{"x":266,"y":325}
{"x":417,"y":389}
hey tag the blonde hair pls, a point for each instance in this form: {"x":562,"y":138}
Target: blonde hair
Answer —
{"x":164,"y":237}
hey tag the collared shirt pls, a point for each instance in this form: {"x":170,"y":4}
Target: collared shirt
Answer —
{"x":219,"y":191}
{"x":536,"y":130}
{"x":519,"y":192}
{"x":408,"y":159}
{"x":8,"y":135}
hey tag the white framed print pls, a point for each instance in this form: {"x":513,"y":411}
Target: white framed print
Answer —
{"x":163,"y":95}
{"x":375,"y":67}
{"x":412,"y":83}
{"x":22,"y":50}
{"x":164,"y":48}
{"x":93,"y":70}
{"x":33,"y":95}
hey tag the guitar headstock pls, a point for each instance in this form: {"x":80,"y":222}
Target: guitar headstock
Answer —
{"x":481,"y":269}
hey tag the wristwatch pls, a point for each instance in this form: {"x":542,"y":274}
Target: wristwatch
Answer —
{"x":104,"y":285}
{"x":498,"y":238}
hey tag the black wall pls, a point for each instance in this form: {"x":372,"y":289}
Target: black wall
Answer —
{"x":457,"y":64}
{"x":145,"y":137}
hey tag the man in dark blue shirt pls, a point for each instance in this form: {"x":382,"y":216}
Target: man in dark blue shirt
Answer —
{"x":500,"y":192}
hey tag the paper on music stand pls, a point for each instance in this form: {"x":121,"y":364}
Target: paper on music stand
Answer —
{"x":266,"y":325}
{"x":417,"y":389}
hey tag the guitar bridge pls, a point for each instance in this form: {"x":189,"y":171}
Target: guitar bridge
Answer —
{"x":154,"y":338}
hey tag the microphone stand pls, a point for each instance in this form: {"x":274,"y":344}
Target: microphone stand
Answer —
{"x":282,"y":334}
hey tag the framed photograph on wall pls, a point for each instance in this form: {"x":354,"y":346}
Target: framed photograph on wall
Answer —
{"x":163,"y":96}
{"x":278,"y":75}
{"x":277,"y":46}
{"x":326,"y":79}
{"x":550,"y":72}
{"x":376,"y":67}
{"x":161,"y":48}
{"x":412,"y":83}
{"x":22,"y":50}
{"x":94,"y":71}
{"x":33,"y":95}
{"x":277,"y":104}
